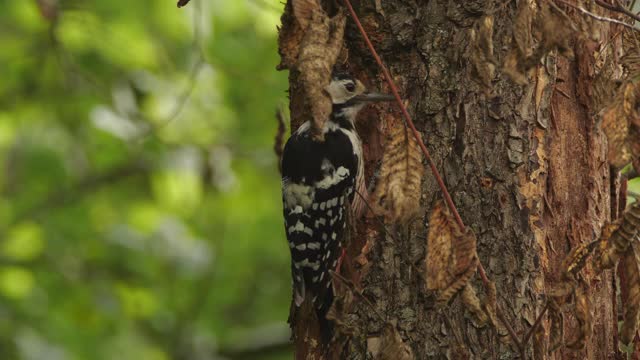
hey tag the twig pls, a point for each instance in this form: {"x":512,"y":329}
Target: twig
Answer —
{"x":512,"y":333}
{"x":633,"y":194}
{"x":618,"y":8}
{"x":183,"y":98}
{"x":454,"y":331}
{"x":562,"y":92}
{"x":631,"y":174}
{"x":388,"y":233}
{"x":48,"y":9}
{"x":527,"y":337}
{"x":614,"y":306}
{"x":349,"y":285}
{"x":406,"y":115}
{"x":507,"y":325}
{"x":376,"y":216}
{"x":499,"y":8}
{"x":180,"y":104}
{"x":564,"y":15}
{"x":598,"y":17}
{"x":432,"y":165}
{"x":606,"y":45}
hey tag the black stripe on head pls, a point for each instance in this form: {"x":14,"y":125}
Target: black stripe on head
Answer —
{"x":342,"y":76}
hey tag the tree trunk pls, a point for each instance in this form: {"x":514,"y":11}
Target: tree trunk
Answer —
{"x":525,"y":165}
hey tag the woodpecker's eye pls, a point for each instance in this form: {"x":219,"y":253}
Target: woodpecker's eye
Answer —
{"x":351,"y":87}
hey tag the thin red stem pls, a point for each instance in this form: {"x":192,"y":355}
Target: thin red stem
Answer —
{"x":406,"y":115}
{"x":432,"y":165}
{"x":535,"y":324}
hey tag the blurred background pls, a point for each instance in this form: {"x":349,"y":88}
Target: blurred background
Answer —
{"x":140,"y":209}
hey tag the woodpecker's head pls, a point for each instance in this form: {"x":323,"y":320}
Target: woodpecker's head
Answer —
{"x":349,"y":95}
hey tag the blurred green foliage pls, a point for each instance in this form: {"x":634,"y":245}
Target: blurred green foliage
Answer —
{"x":139,"y":194}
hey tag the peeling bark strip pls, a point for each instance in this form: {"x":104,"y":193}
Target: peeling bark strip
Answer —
{"x":620,"y":122}
{"x":484,"y":64}
{"x":525,"y":164}
{"x":312,"y":51}
{"x":619,"y":240}
{"x":554,"y":29}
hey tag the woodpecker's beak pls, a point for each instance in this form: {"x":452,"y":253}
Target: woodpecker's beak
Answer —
{"x":374,"y":97}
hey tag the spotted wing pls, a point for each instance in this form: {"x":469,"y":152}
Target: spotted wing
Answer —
{"x":318,"y":183}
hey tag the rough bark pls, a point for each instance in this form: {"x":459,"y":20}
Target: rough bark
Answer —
{"x":525,"y":165}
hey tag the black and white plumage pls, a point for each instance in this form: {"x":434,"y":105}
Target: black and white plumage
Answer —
{"x":319,"y":179}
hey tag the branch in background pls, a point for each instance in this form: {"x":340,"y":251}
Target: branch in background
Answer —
{"x":48,"y":9}
{"x":68,"y":66}
{"x":183,"y":98}
{"x":63,"y":197}
{"x":535,"y":325}
{"x":598,"y":17}
{"x":618,"y":8}
{"x":180,"y":104}
{"x":631,"y":174}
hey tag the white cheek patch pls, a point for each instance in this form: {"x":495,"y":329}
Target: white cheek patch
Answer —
{"x":337,"y":91}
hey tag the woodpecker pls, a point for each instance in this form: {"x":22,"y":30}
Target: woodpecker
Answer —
{"x":319,"y":179}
